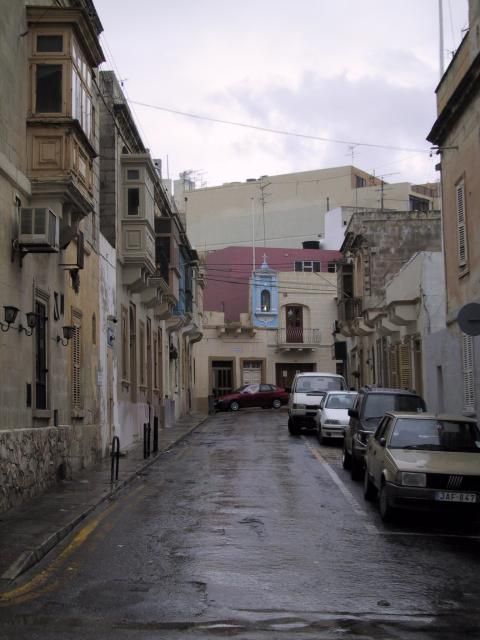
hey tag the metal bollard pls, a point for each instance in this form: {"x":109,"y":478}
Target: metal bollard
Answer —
{"x":155,"y":434}
{"x":115,"y":455}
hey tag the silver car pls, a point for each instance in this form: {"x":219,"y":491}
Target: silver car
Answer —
{"x":423,"y":461}
{"x":332,"y":418}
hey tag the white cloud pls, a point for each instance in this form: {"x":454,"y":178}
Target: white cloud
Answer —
{"x":356,"y":71}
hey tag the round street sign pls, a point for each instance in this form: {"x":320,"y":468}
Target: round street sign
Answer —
{"x":469,"y":319}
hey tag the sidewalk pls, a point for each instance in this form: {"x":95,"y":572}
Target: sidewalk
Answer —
{"x":29,"y":532}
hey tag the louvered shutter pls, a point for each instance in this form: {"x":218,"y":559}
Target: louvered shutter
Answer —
{"x":405,"y":366}
{"x":468,"y":377}
{"x":76,"y":363}
{"x":394,"y":366}
{"x":461,"y":225}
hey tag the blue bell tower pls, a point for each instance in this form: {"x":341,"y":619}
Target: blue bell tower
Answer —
{"x":264,"y":297}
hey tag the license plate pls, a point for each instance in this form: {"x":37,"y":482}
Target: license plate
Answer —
{"x":454,"y":496}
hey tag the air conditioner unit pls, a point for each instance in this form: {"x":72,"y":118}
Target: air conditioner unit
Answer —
{"x":38,"y":230}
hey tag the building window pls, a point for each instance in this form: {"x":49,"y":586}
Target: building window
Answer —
{"x":76,"y":354}
{"x":41,"y":370}
{"x":141,"y":347}
{"x":133,"y":207}
{"x":55,"y":58}
{"x":360,"y":182}
{"x":82,"y":109}
{"x":50,"y":43}
{"x":133,"y":351}
{"x":133,"y":174}
{"x":49,"y":88}
{"x":124,"y":344}
{"x":308,"y":266}
{"x":149,"y":355}
{"x":265,"y":302}
{"x":160,"y":361}
{"x":94,"y":329}
{"x":419,"y":204}
{"x":468,"y":375}
{"x":155,"y":362}
{"x":461,"y":226}
{"x":332,"y":267}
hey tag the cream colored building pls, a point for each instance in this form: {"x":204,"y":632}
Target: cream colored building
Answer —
{"x":232,"y":353}
{"x":286,"y":210}
{"x":456,"y":354}
{"x":150,"y":298}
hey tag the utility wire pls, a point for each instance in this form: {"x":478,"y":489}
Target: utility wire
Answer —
{"x":276,"y":131}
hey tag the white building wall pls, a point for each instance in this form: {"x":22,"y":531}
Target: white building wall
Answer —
{"x":109,"y":337}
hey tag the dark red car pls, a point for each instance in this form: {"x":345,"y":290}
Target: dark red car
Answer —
{"x":253,"y":395}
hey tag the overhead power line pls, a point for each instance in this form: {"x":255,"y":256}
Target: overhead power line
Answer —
{"x":281,"y":132}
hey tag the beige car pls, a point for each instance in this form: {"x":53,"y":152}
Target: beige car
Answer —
{"x":422,"y":460}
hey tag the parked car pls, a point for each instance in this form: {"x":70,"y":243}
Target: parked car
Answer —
{"x":370,"y":406}
{"x":253,"y":395}
{"x":423,"y":461}
{"x":332,"y":417}
{"x":308,"y":389}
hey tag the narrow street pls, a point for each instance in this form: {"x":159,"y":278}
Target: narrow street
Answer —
{"x":243,"y":531}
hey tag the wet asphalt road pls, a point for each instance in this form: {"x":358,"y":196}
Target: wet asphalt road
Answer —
{"x":244,"y":532}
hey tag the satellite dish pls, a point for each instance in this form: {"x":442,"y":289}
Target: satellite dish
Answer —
{"x":469,"y":319}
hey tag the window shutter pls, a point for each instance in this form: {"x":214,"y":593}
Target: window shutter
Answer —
{"x":394,"y":366}
{"x":468,"y":377}
{"x":76,"y":364}
{"x":405,"y":366}
{"x":461,"y":224}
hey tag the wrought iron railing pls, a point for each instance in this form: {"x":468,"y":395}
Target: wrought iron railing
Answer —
{"x":298,"y":335}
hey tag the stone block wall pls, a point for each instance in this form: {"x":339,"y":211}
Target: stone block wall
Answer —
{"x":32,"y":460}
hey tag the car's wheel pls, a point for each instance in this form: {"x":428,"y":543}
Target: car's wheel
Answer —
{"x":356,"y":467}
{"x":277,"y":403}
{"x":386,"y":511}
{"x":346,"y":458}
{"x":234,"y":406}
{"x":369,"y":489}
{"x":293,"y":428}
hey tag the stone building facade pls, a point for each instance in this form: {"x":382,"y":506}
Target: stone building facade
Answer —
{"x":380,"y":325}
{"x":49,"y":198}
{"x":455,"y":353}
{"x":100,"y":289}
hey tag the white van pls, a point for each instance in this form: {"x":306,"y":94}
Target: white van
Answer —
{"x":307,"y":392}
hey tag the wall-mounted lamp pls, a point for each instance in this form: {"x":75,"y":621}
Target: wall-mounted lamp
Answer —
{"x":68,"y":332}
{"x":10,"y":317}
{"x":31,"y":322}
{"x":11,"y":314}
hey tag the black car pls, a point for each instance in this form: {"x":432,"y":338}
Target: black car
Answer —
{"x":371,"y":404}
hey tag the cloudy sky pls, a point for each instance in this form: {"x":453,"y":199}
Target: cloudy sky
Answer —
{"x":342,"y":70}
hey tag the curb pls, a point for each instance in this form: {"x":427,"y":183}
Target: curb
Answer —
{"x":28,"y":559}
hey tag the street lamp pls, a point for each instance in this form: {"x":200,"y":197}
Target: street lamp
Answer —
{"x":68,"y":332}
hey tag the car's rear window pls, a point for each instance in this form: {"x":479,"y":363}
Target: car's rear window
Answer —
{"x":435,"y":435}
{"x":319,"y":383}
{"x":340,"y":401}
{"x":376,"y":404}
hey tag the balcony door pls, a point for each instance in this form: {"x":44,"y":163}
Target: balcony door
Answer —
{"x":294,"y":323}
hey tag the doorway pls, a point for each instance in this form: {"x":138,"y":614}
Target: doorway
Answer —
{"x":222,"y":377}
{"x":285,"y":372}
{"x":294,"y":323}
